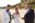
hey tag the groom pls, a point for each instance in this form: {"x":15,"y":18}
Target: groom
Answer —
{"x":29,"y":16}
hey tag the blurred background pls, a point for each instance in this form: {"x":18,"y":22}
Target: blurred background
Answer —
{"x":13,"y":3}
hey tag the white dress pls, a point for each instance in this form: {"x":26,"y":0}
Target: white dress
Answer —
{"x":16,"y":18}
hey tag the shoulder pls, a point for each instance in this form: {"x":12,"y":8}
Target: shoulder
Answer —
{"x":32,"y":9}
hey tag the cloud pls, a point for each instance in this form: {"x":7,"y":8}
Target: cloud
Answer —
{"x":6,"y":2}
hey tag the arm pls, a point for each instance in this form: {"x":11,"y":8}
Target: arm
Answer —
{"x":12,"y":17}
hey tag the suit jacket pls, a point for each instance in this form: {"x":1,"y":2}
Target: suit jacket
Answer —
{"x":6,"y":17}
{"x":29,"y":17}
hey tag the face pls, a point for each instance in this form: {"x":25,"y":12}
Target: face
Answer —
{"x":22,"y":5}
{"x":16,"y":10}
{"x":27,"y":6}
{"x":17,"y":6}
{"x":7,"y":8}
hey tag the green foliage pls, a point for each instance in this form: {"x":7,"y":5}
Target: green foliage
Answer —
{"x":33,"y":5}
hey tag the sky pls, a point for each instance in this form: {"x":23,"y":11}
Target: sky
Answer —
{"x":10,"y":2}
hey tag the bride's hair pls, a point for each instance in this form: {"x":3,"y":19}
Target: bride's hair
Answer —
{"x":17,"y":10}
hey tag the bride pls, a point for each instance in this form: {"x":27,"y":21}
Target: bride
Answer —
{"x":15,"y":16}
